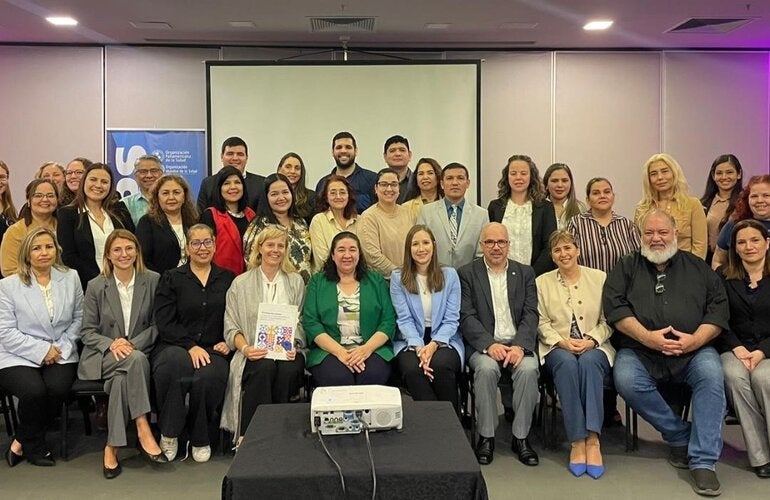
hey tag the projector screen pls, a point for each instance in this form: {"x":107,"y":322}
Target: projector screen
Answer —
{"x":300,"y":106}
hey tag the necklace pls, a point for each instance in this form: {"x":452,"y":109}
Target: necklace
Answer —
{"x":237,"y":215}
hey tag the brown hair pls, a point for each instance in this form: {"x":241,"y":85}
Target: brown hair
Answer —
{"x":734,"y":269}
{"x":126,"y":235}
{"x":9,"y":209}
{"x":189,"y":212}
{"x":409,"y":269}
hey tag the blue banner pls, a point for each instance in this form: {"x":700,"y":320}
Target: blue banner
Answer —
{"x":182,"y":152}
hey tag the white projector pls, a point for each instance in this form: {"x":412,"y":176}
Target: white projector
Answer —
{"x":349,"y":409}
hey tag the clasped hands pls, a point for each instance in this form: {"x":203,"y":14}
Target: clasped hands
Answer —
{"x":354,"y":359}
{"x":576,"y":346}
{"x":121,"y":348}
{"x":509,"y":355}
{"x":750,"y":359}
{"x":425,"y":354}
{"x":672,"y":342}
{"x":53,"y":355}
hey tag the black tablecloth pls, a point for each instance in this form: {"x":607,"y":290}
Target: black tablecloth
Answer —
{"x":429,"y":458}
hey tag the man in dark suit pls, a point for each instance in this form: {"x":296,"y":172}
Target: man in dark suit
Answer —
{"x":235,"y":153}
{"x":498,"y":318}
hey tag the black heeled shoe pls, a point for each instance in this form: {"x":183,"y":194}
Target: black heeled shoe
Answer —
{"x":43,"y":461}
{"x":160,"y":458}
{"x":112,"y":473}
{"x":12,"y":458}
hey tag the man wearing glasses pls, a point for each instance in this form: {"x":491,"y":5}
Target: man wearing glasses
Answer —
{"x":498,"y":318}
{"x":147,"y":170}
{"x":344,"y":151}
{"x":667,"y":307}
{"x":455,"y":222}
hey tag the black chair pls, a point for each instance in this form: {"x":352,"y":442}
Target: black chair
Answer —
{"x":9,"y":413}
{"x":676,"y":394}
{"x":83,"y":391}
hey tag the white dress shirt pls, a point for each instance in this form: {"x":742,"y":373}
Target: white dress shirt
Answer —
{"x":126,"y":295}
{"x":505,"y":329}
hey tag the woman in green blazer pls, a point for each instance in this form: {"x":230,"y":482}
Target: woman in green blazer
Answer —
{"x":348,"y":314}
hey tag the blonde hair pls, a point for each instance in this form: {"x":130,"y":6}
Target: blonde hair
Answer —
{"x":124,"y":234}
{"x":25,"y":250}
{"x":270,"y":232}
{"x":681,"y":191}
{"x":39,"y":173}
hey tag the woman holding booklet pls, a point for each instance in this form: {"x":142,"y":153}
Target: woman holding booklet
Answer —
{"x":263,"y":370}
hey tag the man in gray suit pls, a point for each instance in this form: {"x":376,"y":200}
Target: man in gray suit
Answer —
{"x":455,"y":222}
{"x":499,"y":319}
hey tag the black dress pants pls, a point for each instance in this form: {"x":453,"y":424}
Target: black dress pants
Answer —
{"x":332,"y":372}
{"x":41,"y":392}
{"x":268,"y":381}
{"x":175,"y":378}
{"x":446,"y":366}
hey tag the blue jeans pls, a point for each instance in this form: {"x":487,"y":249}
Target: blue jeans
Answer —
{"x":579,"y":381}
{"x":704,"y":376}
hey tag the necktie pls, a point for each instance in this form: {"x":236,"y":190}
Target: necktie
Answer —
{"x":453,"y":224}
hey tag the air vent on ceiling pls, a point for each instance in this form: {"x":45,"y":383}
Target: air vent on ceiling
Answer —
{"x":150,"y":25}
{"x":708,"y":25}
{"x":342,"y":24}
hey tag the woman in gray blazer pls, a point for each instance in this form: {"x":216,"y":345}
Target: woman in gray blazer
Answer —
{"x":118,"y":334}
{"x":41,"y":309}
{"x":254,"y":378}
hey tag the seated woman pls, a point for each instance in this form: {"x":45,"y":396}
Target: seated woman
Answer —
{"x":281,"y":210}
{"x":348,"y":314}
{"x":254,"y":378}
{"x":41,"y":310}
{"x":191,"y":357}
{"x":228,"y":218}
{"x":746,"y":346}
{"x":337,"y":213}
{"x":118,"y":334}
{"x":574,"y":349}
{"x":161,"y":232}
{"x":424,"y":186}
{"x":426,"y":297}
{"x":292,"y":166}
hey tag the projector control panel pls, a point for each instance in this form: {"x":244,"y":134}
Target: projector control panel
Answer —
{"x":342,"y":422}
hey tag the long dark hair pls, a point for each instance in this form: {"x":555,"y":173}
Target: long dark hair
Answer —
{"x":323,"y":197}
{"x":264,"y":208}
{"x":409,"y":269}
{"x":413,"y":189}
{"x":9,"y":209}
{"x":712,"y":189}
{"x":330,"y":268}
{"x":535,"y":191}
{"x":219,"y":202}
{"x":300,"y":193}
{"x":735,"y":269}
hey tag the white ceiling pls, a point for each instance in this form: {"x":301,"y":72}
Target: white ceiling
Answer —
{"x":399,"y":23}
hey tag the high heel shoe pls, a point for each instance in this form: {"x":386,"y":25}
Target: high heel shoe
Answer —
{"x":12,"y":458}
{"x":112,"y":473}
{"x":595,"y":471}
{"x":160,"y":458}
{"x":577,"y":469}
{"x":43,"y":461}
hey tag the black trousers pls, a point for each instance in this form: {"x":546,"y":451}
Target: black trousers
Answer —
{"x":268,"y":381}
{"x":175,"y":378}
{"x":332,"y":372}
{"x":446,"y":366}
{"x":41,"y":392}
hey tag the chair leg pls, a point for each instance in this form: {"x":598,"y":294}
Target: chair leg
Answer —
{"x":6,"y":404}
{"x":629,"y":437}
{"x":63,"y":431}
{"x":83,"y":404}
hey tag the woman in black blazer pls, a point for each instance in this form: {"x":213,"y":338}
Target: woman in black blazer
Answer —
{"x":84,"y":225}
{"x":521,"y":193}
{"x":746,"y":345}
{"x":161,"y":231}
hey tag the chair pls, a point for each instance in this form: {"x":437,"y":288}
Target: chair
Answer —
{"x":9,"y":413}
{"x":82,"y":391}
{"x":676,"y":394}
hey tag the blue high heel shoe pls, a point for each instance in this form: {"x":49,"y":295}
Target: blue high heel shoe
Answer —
{"x":577,"y":470}
{"x":595,"y":471}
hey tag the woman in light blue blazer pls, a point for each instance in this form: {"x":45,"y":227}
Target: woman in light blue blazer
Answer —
{"x":41,"y":310}
{"x":426,"y":297}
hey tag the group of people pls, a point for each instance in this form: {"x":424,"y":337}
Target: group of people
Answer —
{"x":423,"y":281}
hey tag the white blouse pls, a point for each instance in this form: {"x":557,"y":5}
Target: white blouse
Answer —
{"x":426,"y":298}
{"x":100,"y":236}
{"x":518,"y":220}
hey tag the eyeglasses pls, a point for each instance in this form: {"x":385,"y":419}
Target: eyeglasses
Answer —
{"x":4,"y":178}
{"x":70,"y":173}
{"x":386,"y":185}
{"x":492,"y":243}
{"x":659,"y":288}
{"x":151,"y":171}
{"x":196,"y":244}
{"x":47,"y":196}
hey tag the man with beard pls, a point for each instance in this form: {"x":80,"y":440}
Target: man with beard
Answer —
{"x":344,"y":150}
{"x":667,"y":307}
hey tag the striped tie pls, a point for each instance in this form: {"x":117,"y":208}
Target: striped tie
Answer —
{"x":453,"y":224}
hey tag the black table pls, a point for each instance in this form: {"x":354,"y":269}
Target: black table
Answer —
{"x":429,"y":458}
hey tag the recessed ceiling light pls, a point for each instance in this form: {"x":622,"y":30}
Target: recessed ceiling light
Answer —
{"x":597,"y":25}
{"x":62,"y":21}
{"x":437,"y":26}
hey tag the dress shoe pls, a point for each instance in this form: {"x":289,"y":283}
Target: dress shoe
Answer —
{"x":762,"y":471}
{"x":577,"y":469}
{"x":677,"y":457}
{"x":595,"y":471}
{"x":12,"y":458}
{"x":527,"y":455}
{"x":508,"y":414}
{"x":169,"y":446}
{"x":705,"y":482}
{"x":43,"y":461}
{"x":112,"y":473}
{"x":485,"y":450}
{"x":160,"y":458}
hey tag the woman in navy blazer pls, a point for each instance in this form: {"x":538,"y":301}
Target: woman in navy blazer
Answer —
{"x":519,"y":192}
{"x":426,"y":297}
{"x":84,"y":225}
{"x":41,"y":310}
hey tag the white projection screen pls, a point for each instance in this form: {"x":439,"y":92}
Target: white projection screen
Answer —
{"x":299,"y":107}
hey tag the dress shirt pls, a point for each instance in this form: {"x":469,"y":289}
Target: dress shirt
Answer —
{"x":459,"y":206}
{"x":505,"y":330}
{"x":518,"y":220}
{"x":137,"y":205}
{"x":126,"y":295}
{"x":182,"y":239}
{"x":100,"y":234}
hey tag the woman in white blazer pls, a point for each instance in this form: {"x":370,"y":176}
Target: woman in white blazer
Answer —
{"x":118,"y":334}
{"x":41,"y":310}
{"x":574,"y":348}
{"x":255,"y":379}
{"x":426,"y":297}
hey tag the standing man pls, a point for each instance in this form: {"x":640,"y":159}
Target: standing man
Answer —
{"x":498,"y":318}
{"x":235,"y":153}
{"x":397,"y":156}
{"x":147,"y":170}
{"x":667,"y":307}
{"x":456,"y":224}
{"x":344,"y":150}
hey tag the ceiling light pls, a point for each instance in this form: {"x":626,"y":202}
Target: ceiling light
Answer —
{"x":597,"y":25}
{"x":62,"y":21}
{"x":437,"y":26}
{"x":242,"y":24}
